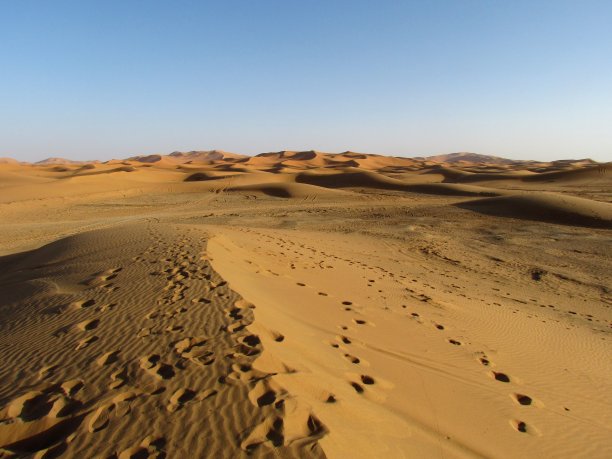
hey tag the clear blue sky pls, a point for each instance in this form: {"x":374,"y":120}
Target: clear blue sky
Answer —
{"x":101,"y":79}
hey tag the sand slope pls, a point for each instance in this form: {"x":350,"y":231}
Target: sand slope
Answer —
{"x":134,"y":344}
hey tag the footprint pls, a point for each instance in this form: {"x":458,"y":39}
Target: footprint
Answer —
{"x":352,"y":359}
{"x":179,"y":398}
{"x":520,"y":426}
{"x":151,"y":446}
{"x":107,"y":358}
{"x":70,"y":388}
{"x":502,"y":377}
{"x":278,"y":337}
{"x":87,"y":325}
{"x":236,"y":327}
{"x":82,"y":344}
{"x":82,"y":304}
{"x":47,"y":371}
{"x":152,"y":365}
{"x":358,"y":388}
{"x":522,"y":399}
{"x":234,"y":313}
{"x":99,"y":420}
{"x":118,"y":378}
{"x":269,"y":431}
{"x":30,"y":406}
{"x":367,"y":379}
{"x":152,"y":315}
{"x":454,"y":342}
{"x":266,"y":392}
{"x":250,"y":340}
{"x":122,"y":401}
{"x":107,"y":307}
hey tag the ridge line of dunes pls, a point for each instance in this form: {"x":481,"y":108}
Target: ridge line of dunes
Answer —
{"x":345,"y":179}
{"x":588,"y":173}
{"x":369,"y":179}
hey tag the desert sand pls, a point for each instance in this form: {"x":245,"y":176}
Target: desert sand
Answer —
{"x":305,"y":304}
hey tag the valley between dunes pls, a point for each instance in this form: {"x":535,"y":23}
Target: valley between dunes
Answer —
{"x":305,"y":304}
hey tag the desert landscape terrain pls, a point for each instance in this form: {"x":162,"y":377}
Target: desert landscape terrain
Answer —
{"x":305,"y":304}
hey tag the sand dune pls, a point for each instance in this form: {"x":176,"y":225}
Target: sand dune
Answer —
{"x":547,"y":207}
{"x":305,"y":304}
{"x":95,"y":371}
{"x":357,"y":178}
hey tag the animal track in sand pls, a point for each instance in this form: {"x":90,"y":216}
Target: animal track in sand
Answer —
{"x":454,"y":342}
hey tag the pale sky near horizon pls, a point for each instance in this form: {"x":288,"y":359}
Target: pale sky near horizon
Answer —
{"x":112,"y":79}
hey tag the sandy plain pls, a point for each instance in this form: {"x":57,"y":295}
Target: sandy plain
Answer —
{"x":303,"y":304}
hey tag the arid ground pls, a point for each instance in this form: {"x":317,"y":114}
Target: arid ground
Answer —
{"x":303,"y":304}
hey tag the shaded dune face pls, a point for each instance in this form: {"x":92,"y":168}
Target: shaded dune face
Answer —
{"x":547,"y":207}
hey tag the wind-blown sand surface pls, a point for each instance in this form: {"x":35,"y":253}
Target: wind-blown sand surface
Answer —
{"x":303,"y":304}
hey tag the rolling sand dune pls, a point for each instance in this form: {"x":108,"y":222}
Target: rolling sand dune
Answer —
{"x":352,"y":179}
{"x":547,"y":207}
{"x":305,"y":304}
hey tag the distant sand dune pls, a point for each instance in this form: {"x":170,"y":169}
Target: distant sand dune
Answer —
{"x":547,"y":207}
